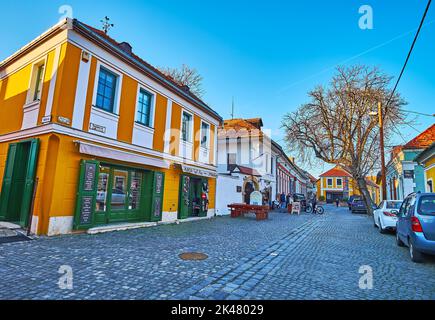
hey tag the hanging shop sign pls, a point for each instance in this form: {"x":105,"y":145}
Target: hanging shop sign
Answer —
{"x":296,"y":208}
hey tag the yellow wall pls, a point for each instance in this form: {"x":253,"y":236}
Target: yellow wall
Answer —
{"x":430,"y":173}
{"x":160,"y":122}
{"x":89,"y":94}
{"x":127,"y":109}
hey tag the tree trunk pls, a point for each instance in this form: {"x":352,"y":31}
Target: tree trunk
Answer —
{"x":362,"y":186}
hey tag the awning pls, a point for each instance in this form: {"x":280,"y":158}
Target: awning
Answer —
{"x":110,"y":153}
{"x":198,"y":171}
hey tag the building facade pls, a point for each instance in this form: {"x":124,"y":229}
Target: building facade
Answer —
{"x":92,"y":135}
{"x":427,"y":160}
{"x":246,"y":163}
{"x":404,"y":174}
{"x":338,"y":183}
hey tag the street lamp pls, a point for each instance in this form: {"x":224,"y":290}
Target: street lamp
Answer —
{"x":381,"y":134}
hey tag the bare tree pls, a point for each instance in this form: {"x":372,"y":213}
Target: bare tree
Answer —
{"x":336,"y":125}
{"x":186,"y":76}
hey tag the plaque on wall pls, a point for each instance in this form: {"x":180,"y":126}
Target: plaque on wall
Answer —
{"x":408,"y":174}
{"x":89,"y":179}
{"x":239,"y":189}
{"x":86,"y":210}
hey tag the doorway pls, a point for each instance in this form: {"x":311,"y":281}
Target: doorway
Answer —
{"x":249,"y":188}
{"x":193,"y":197}
{"x":19,"y":182}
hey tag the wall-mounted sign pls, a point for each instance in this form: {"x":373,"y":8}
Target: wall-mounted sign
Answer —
{"x":46,"y":119}
{"x":157,"y":207}
{"x":96,"y":127}
{"x":86,"y":56}
{"x":89,"y":179}
{"x":239,"y":189}
{"x":408,"y":174}
{"x":159,"y":183}
{"x":198,"y":172}
{"x":86,"y":210}
{"x":64,"y":120}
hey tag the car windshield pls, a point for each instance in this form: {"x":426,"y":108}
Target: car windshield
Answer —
{"x":393,"y":205}
{"x":299,"y":196}
{"x":427,"y":205}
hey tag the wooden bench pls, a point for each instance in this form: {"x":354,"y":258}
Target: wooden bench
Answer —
{"x":239,"y":210}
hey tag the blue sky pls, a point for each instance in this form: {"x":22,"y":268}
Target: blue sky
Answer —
{"x":265,"y":54}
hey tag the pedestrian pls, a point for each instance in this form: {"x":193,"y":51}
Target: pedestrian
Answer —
{"x":283,"y":201}
{"x":337,"y":202}
{"x":314,"y":203}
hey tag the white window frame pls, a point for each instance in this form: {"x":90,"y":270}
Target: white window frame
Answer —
{"x":190,"y":140}
{"x":152,"y":106}
{"x":32,"y":81}
{"x":207,"y":147}
{"x":117,"y":98}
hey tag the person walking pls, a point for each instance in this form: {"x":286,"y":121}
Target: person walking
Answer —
{"x":283,"y":201}
{"x":337,"y":202}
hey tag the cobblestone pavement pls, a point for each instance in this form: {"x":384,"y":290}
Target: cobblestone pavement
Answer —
{"x":286,"y":257}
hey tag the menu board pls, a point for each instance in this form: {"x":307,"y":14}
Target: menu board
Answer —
{"x":86,"y":210}
{"x":89,"y":179}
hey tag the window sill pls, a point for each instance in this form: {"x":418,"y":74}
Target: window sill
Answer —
{"x":32,"y":104}
{"x":143,"y":127}
{"x":105,"y":113}
{"x":187,"y":143}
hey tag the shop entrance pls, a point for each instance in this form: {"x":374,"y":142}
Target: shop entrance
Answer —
{"x":112,"y":194}
{"x":331,"y":197}
{"x":193,"y":197}
{"x":19,"y":181}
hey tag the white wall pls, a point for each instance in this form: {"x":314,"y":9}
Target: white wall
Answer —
{"x":226,"y":193}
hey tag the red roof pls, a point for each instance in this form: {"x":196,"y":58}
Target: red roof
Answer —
{"x":248,"y":171}
{"x":336,"y":172}
{"x":423,"y":140}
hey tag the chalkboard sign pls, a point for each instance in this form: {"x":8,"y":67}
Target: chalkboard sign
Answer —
{"x":86,"y":210}
{"x":89,"y":179}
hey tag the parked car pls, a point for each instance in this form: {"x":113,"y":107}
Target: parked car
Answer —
{"x":385,"y":216}
{"x":299,"y":197}
{"x":358,"y":206}
{"x":416,"y":225}
{"x":351,"y":198}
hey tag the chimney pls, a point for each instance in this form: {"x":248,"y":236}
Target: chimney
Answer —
{"x":185,"y":88}
{"x":126,"y":47}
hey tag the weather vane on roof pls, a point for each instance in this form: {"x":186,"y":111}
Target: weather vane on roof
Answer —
{"x":106,"y":24}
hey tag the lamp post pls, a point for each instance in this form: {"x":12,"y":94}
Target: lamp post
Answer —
{"x":381,"y":133}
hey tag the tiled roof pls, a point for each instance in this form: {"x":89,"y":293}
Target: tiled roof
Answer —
{"x":336,"y":172}
{"x":247,"y":171}
{"x":119,"y":45}
{"x":242,"y":127}
{"x":423,"y":140}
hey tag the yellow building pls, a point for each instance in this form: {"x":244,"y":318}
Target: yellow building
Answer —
{"x":427,"y":159}
{"x":101,"y":136}
{"x":338,"y":183}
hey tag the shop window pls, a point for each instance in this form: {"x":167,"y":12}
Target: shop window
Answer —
{"x":186,"y":127}
{"x":107,"y":83}
{"x":103,"y":187}
{"x":135,"y":190}
{"x":119,"y":190}
{"x":205,"y":134}
{"x":144,"y":108}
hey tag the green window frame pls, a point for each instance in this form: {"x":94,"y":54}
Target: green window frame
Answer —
{"x":143,"y":115}
{"x":106,"y":90}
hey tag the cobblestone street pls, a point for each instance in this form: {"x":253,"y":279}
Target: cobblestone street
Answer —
{"x":286,"y":257}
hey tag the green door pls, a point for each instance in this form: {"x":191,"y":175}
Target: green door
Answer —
{"x":7,"y":181}
{"x":184,"y":195}
{"x":153,"y":195}
{"x":19,"y":181}
{"x":29,"y":182}
{"x":204,"y":198}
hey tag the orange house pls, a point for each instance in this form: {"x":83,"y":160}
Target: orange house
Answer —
{"x":92,"y":136}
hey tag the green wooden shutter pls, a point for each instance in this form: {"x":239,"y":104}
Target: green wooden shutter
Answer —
{"x":29,"y":182}
{"x":157,"y":196}
{"x":86,"y":195}
{"x":184,"y":196}
{"x":7,"y":180}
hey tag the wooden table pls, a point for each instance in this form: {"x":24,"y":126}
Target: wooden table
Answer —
{"x":239,"y":210}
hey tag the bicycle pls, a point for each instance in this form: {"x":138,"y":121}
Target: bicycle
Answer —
{"x":319,"y":209}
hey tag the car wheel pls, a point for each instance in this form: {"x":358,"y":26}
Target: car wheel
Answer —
{"x":381,"y":230}
{"x":416,"y":256}
{"x":398,"y":241}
